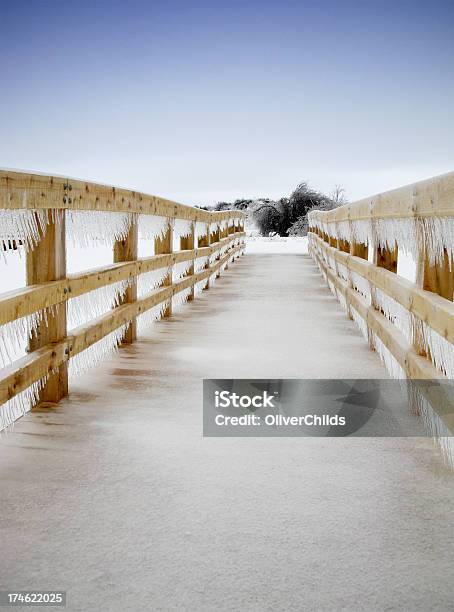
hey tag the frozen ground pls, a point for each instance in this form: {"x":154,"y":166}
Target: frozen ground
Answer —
{"x":117,"y":498}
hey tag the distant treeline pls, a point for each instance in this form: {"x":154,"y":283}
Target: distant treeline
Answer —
{"x":286,"y":216}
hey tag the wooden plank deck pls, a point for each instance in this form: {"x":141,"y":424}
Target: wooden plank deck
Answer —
{"x":117,"y":498}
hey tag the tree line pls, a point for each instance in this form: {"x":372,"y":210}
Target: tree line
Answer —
{"x":287,"y":216}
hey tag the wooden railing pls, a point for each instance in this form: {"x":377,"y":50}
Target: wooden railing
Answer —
{"x":35,"y":211}
{"x":358,"y":248}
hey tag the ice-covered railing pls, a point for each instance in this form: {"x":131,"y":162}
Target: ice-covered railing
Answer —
{"x":72,"y":321}
{"x":410,"y":324}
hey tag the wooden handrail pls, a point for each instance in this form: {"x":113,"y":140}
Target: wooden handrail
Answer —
{"x":26,"y":370}
{"x":20,"y":190}
{"x":433,"y":311}
{"x":415,"y":365}
{"x":411,"y":324}
{"x":429,"y":307}
{"x":27,"y":300}
{"x":432,"y":197}
{"x":50,"y":288}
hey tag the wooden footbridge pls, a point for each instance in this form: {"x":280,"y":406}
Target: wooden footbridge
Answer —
{"x":110,"y":492}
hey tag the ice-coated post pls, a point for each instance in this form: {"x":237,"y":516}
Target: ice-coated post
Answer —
{"x":126,"y":250}
{"x":162,"y":246}
{"x":47,"y":262}
{"x":187,"y":244}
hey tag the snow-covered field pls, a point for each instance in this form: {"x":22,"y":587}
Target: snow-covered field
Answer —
{"x":276,"y":244}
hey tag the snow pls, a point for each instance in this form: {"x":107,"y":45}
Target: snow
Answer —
{"x":276,"y":244}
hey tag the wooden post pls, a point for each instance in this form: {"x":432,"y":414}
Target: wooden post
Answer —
{"x":187,"y":243}
{"x":47,"y":262}
{"x":207,"y":242}
{"x":162,"y":246}
{"x":215,"y":237}
{"x":126,"y":250}
{"x":225,"y":234}
{"x":419,"y":281}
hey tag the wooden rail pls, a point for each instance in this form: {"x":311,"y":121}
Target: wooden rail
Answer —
{"x":35,"y":206}
{"x":358,"y":247}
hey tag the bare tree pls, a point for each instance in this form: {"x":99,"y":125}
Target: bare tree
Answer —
{"x":338,"y":195}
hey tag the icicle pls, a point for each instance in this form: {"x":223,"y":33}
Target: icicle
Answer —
{"x":391,"y":364}
{"x":440,"y":350}
{"x":342,"y":271}
{"x":361,"y":285}
{"x":361,"y":231}
{"x":200,"y":263}
{"x":182,"y":227}
{"x":342,"y":300}
{"x":15,"y":334}
{"x":343,"y":230}
{"x":152,"y":226}
{"x":331,"y":286}
{"x":21,"y":227}
{"x":223,"y":225}
{"x":439,"y":235}
{"x":95,"y":303}
{"x":360,"y":322}
{"x":89,"y":228}
{"x":200,"y":230}
{"x":442,"y":436}
{"x":331,"y":229}
{"x":181,"y":297}
{"x":200,"y":286}
{"x":147,"y":318}
{"x":213,"y":257}
{"x":395,"y":312}
{"x":231,"y":222}
{"x":403,"y":232}
{"x":92,"y":355}
{"x":181,"y":269}
{"x":214,"y":227}
{"x":21,"y":403}
{"x":148,"y":281}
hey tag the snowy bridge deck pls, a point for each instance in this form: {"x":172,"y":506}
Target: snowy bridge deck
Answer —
{"x":114,"y":491}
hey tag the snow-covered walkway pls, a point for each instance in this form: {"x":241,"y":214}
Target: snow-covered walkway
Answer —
{"x":117,"y":492}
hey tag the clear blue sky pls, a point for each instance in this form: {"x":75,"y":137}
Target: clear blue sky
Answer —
{"x":205,"y":101}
